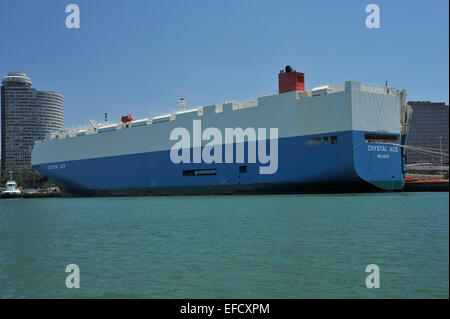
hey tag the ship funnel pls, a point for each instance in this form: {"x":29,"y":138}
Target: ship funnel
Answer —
{"x":182,"y":103}
{"x":290,"y":80}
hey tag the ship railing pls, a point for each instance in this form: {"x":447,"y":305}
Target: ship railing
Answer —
{"x":81,"y":130}
{"x":244,"y":105}
{"x":379,"y":89}
{"x":373,"y":89}
{"x":326,"y":89}
{"x":337,"y":88}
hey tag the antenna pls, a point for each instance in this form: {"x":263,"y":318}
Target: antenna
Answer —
{"x":93,"y":124}
{"x":10,"y":175}
{"x":182,"y":103}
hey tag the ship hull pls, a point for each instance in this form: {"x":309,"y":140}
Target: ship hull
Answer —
{"x":6,"y":195}
{"x":252,"y":189}
{"x":301,"y":169}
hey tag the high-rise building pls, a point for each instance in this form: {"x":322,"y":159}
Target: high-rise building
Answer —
{"x":27,"y":115}
{"x":428,"y":132}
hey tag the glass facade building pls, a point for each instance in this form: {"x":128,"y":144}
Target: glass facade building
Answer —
{"x":27,"y":115}
{"x":428,"y":130}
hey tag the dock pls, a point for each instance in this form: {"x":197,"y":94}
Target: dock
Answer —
{"x":41,"y":193}
{"x":426,"y":186}
{"x":424,"y":181}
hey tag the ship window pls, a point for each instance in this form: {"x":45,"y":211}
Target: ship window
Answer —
{"x":242,"y":169}
{"x":334,"y":139}
{"x":380,"y":138}
{"x":314,"y":141}
{"x":199,"y":172}
{"x":325,"y":140}
{"x":189,"y":173}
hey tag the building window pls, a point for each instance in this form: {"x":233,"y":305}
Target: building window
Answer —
{"x":334,"y":139}
{"x":242,"y":169}
{"x":325,"y":140}
{"x":199,"y":172}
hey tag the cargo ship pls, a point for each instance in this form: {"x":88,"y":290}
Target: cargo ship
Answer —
{"x":343,"y":138}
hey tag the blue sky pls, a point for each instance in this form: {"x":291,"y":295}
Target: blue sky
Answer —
{"x":142,"y":56}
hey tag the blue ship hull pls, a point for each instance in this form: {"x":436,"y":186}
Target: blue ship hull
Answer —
{"x":350,"y":165}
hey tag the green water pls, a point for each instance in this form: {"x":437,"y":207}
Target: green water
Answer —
{"x":290,"y":246}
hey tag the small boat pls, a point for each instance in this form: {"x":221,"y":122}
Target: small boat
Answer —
{"x":11,"y":191}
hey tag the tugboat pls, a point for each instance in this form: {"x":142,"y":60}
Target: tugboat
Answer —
{"x":11,"y":191}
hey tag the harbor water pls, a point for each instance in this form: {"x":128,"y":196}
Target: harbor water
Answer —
{"x":271,"y":246}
